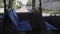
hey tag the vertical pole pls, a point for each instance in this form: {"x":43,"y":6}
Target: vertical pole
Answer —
{"x":40,"y":7}
{"x":37,"y":15}
{"x":33,"y":6}
{"x":5,"y":17}
{"x":42,"y":22}
{"x":10,"y":4}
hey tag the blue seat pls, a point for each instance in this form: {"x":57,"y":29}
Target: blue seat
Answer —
{"x":49,"y":26}
{"x":20,"y":25}
{"x":1,"y":16}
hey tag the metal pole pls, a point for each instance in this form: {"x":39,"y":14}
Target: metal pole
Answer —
{"x":42,"y":24}
{"x":33,"y":6}
{"x":10,"y":3}
{"x":5,"y":17}
{"x":37,"y":18}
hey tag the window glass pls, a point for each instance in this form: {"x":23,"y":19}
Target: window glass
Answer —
{"x":48,"y":7}
{"x":22,"y":5}
{"x":1,"y":6}
{"x":51,"y":6}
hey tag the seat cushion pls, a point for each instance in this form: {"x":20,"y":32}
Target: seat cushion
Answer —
{"x":22,"y":25}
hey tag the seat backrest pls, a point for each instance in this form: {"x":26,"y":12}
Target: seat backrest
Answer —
{"x":20,"y":25}
{"x":13,"y":16}
{"x":50,"y":27}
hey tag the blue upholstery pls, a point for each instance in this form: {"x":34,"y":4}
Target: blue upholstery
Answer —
{"x":50,"y":27}
{"x":1,"y":16}
{"x":20,"y":25}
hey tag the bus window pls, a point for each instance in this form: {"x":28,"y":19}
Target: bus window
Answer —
{"x":22,"y":6}
{"x":48,"y":7}
{"x":1,"y":6}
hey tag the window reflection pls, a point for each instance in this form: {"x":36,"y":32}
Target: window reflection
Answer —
{"x":22,"y":5}
{"x":48,"y":7}
{"x":1,"y":6}
{"x":51,"y":6}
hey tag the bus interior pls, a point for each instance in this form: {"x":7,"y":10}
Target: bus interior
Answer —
{"x":34,"y":22}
